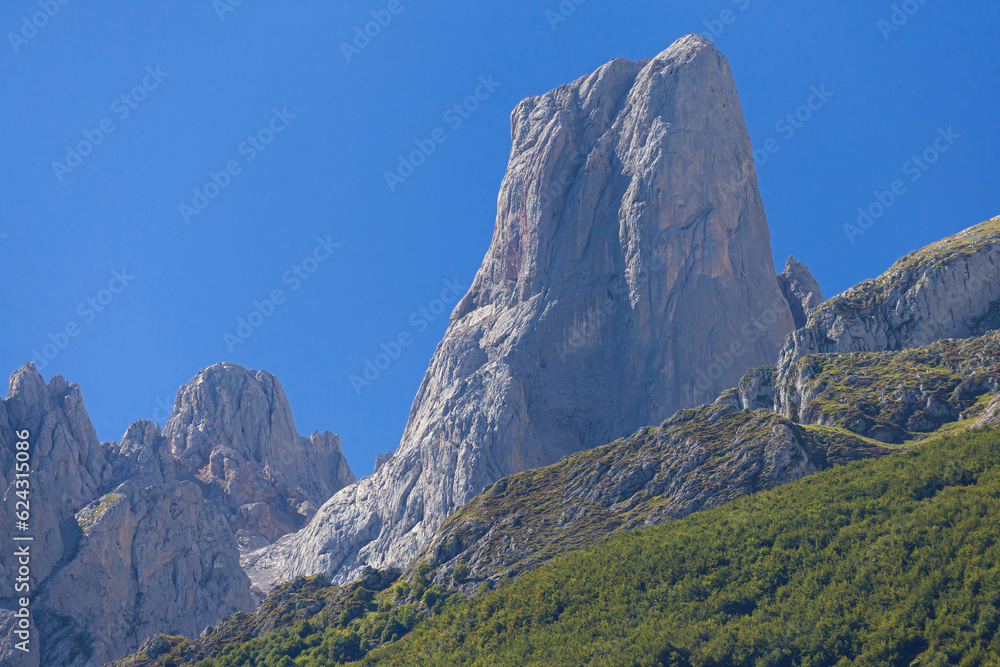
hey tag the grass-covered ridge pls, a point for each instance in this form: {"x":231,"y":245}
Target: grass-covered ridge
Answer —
{"x":966,"y":242}
{"x":896,"y":397}
{"x":855,"y":301}
{"x":307,"y":618}
{"x":699,"y":458}
{"x":891,"y":562}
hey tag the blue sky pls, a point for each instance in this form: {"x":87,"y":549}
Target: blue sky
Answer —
{"x":291,"y":135}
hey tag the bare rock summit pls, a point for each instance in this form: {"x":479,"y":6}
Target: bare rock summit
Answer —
{"x":144,"y":536}
{"x":630,"y":275}
{"x":800,"y":289}
{"x":235,"y":428}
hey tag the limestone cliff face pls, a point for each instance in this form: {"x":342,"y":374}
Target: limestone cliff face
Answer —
{"x":69,"y":465}
{"x":141,"y":537}
{"x":69,"y":468}
{"x":235,"y":428}
{"x":154,"y":556}
{"x":624,"y":266}
{"x":950,"y":289}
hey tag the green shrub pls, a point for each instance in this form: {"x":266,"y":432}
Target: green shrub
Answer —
{"x":460,"y":573}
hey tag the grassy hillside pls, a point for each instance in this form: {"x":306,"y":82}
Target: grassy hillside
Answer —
{"x":698,"y":459}
{"x":887,"y":562}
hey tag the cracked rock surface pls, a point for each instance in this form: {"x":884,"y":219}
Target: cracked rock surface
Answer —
{"x":631,"y":256}
{"x":144,"y":536}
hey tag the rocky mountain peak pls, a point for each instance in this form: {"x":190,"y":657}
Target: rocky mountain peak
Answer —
{"x":630,"y":274}
{"x":144,"y":536}
{"x":800,"y":289}
{"x":228,"y":405}
{"x":234,"y":427}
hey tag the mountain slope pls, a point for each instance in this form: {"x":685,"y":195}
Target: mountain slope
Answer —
{"x":843,"y":408}
{"x":622,"y":267}
{"x":699,"y":459}
{"x":950,"y":289}
{"x":825,"y":410}
{"x":143,"y":536}
{"x":888,"y":562}
{"x":696,"y":460}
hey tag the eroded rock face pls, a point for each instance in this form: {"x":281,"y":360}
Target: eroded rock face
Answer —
{"x":68,"y":469}
{"x":800,"y":289}
{"x":69,"y":466}
{"x":991,"y":416}
{"x":235,"y":428}
{"x":950,"y":289}
{"x":152,"y":559}
{"x":140,"y":537}
{"x":631,"y":257}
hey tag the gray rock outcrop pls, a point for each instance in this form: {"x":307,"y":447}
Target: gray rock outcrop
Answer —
{"x":151,"y":559}
{"x":991,"y":415}
{"x":950,"y":289}
{"x":628,"y":277}
{"x":382,"y":459}
{"x":140,"y":537}
{"x":800,"y":289}
{"x":69,"y":467}
{"x":235,"y":428}
{"x":894,"y":397}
